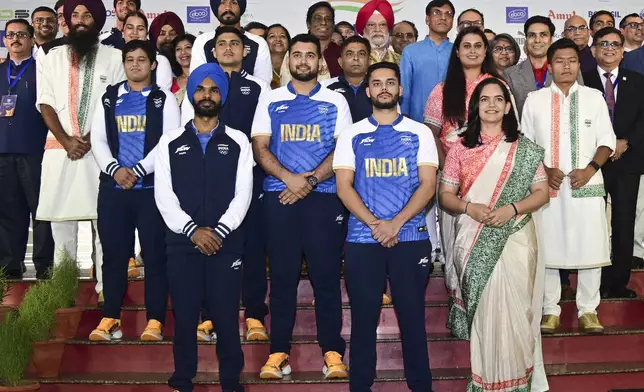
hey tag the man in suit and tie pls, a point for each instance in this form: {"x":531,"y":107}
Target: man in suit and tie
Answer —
{"x":622,"y":90}
{"x":532,"y":74}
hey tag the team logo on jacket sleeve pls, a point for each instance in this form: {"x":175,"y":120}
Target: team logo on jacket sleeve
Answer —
{"x":158,"y":102}
{"x":182,"y":150}
{"x":245,"y":90}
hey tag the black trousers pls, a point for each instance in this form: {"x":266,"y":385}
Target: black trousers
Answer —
{"x":119,"y":213}
{"x":622,"y":188}
{"x":20,"y":189}
{"x":215,"y":280}
{"x":367,"y":267}
{"x":313,"y":226}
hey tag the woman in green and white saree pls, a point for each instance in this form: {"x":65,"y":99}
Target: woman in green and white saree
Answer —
{"x":492,"y":181}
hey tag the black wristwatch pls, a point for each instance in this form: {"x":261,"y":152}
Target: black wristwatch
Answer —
{"x":595,"y":165}
{"x":313,"y":181}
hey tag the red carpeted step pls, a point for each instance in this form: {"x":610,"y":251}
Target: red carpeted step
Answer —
{"x":445,"y":352}
{"x":598,"y":377}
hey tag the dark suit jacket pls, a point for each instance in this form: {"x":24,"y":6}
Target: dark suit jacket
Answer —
{"x":629,"y":117}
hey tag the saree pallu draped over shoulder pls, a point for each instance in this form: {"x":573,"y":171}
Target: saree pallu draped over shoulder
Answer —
{"x":493,"y":303}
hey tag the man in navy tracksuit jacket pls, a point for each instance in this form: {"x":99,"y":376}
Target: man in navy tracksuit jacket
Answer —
{"x":203,"y":188}
{"x":238,"y":113}
{"x":352,"y":84}
{"x":22,"y":143}
{"x":126,"y":128}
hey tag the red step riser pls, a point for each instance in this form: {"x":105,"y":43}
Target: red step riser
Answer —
{"x":83,"y":358}
{"x":569,"y":383}
{"x":394,"y":386}
{"x":135,"y":294}
{"x":134,"y":322}
{"x":624,"y":313}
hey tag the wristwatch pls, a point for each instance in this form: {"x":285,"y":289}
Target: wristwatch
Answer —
{"x":313,"y":181}
{"x":595,"y":165}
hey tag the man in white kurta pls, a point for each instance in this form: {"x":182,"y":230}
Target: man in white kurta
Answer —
{"x":69,"y":86}
{"x":571,"y":122}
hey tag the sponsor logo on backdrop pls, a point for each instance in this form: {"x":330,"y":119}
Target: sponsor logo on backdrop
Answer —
{"x":516,"y":14}
{"x":554,"y":15}
{"x":112,"y":14}
{"x":199,"y":14}
{"x":355,"y":5}
{"x":615,"y":14}
{"x":14,"y":14}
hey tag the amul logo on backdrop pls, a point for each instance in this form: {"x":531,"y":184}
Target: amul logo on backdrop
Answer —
{"x":355,"y":5}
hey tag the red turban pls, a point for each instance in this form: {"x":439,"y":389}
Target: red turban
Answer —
{"x":368,"y":9}
{"x":166,"y":18}
{"x":95,"y":7}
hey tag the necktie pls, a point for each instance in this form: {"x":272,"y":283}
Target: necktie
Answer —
{"x":610,"y":92}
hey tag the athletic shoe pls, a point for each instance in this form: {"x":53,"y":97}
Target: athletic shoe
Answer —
{"x":589,"y":323}
{"x":333,"y":366}
{"x":108,"y":329}
{"x":276,"y":367}
{"x":133,"y":270}
{"x":206,"y":332}
{"x":549,"y":324}
{"x":153,"y":332}
{"x":255,"y":330}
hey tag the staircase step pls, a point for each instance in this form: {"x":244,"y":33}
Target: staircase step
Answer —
{"x":84,"y":356}
{"x":595,"y":377}
{"x":134,"y":295}
{"x":627,"y":313}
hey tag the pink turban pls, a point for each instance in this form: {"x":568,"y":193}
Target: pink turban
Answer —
{"x":368,"y":9}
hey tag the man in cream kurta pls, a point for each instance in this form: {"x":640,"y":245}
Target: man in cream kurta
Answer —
{"x":576,"y":132}
{"x":69,"y":85}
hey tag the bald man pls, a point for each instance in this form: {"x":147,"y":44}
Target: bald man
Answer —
{"x":577,"y":30}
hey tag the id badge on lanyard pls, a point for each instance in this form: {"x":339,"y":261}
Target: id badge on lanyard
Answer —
{"x":8,"y":102}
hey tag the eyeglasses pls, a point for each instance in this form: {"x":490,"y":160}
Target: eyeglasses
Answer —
{"x":467,"y":23}
{"x":502,"y":49}
{"x":607,"y":44}
{"x":448,"y":14}
{"x":42,"y":20}
{"x":317,"y":19}
{"x":635,"y":25}
{"x":573,"y":29}
{"x":409,"y":36}
{"x":18,"y":35}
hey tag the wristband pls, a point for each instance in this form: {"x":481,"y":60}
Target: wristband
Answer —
{"x":468,"y":203}
{"x":516,"y":212}
{"x":595,"y":165}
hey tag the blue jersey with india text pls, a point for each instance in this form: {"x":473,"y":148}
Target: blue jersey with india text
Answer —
{"x":385,"y":159}
{"x":302,"y":130}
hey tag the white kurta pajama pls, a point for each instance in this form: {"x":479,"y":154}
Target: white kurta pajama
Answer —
{"x":572,"y":228}
{"x":69,"y":189}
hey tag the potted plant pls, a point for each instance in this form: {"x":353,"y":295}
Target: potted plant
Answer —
{"x":4,"y":289}
{"x":65,"y":287}
{"x":15,"y":346}
{"x":37,"y":315}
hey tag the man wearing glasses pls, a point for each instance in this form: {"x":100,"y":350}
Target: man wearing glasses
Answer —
{"x":45,"y":25}
{"x":577,"y":30}
{"x":622,"y":91}
{"x":404,"y":33}
{"x":424,"y":64}
{"x":632,"y":26}
{"x":470,"y":17}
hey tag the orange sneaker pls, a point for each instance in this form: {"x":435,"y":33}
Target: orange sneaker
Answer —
{"x":255,"y":330}
{"x":133,"y":270}
{"x":276,"y":367}
{"x":108,"y":329}
{"x":333,"y":366}
{"x":205,"y":332}
{"x":153,"y":332}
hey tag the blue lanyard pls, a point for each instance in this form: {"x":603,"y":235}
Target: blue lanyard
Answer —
{"x":14,"y":82}
{"x":542,"y":83}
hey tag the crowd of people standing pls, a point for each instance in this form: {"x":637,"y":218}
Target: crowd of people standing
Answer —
{"x":355,"y":145}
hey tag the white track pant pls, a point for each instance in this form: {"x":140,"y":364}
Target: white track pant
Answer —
{"x":588,"y":282}
{"x":66,"y":240}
